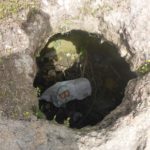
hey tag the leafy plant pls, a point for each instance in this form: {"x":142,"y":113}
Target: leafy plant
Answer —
{"x":26,"y":114}
{"x":145,"y":68}
{"x":37,"y":112}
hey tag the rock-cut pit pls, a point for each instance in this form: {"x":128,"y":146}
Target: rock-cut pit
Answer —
{"x":81,"y":54}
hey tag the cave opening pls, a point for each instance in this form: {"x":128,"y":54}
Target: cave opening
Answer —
{"x":78,"y":54}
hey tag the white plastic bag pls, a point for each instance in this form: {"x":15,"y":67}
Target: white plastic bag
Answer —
{"x":65,"y":91}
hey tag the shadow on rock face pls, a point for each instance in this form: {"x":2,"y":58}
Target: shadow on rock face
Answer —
{"x":17,"y":65}
{"x":96,"y":61}
{"x":37,"y":27}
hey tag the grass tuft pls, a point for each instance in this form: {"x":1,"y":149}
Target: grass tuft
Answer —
{"x":10,"y":7}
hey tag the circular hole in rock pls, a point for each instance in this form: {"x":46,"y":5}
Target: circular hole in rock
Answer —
{"x":81,"y":54}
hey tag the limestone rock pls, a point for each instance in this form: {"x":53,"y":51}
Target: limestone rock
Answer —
{"x":127,"y":128}
{"x":17,"y":66}
{"x":124,"y":23}
{"x":35,"y":136}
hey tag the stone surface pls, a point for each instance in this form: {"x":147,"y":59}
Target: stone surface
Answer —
{"x":20,"y":135}
{"x":17,"y":66}
{"x":127,"y":127}
{"x":124,"y":23}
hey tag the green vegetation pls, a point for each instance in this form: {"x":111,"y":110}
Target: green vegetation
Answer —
{"x":10,"y":7}
{"x":145,"y":68}
{"x":26,"y":114}
{"x":64,"y":46}
{"x":64,"y":49}
{"x":82,"y":52}
{"x":38,"y":91}
{"x":37,"y":112}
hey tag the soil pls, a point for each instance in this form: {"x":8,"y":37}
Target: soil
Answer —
{"x":100,"y":63}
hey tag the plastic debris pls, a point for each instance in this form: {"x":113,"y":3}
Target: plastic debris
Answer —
{"x":65,"y":91}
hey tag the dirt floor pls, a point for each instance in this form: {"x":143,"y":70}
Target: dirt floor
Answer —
{"x":80,"y":54}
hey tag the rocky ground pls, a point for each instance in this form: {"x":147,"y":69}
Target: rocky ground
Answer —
{"x":24,"y":33}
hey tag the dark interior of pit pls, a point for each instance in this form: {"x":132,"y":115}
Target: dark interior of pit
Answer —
{"x":97,"y":61}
